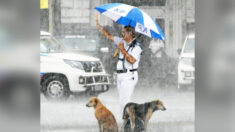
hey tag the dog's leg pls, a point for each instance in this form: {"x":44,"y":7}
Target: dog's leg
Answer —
{"x":142,"y":122}
{"x":123,"y":125}
{"x":125,"y":118}
{"x":101,"y":129}
{"x":116,"y":129}
{"x":99,"y":126}
{"x":132,"y":117}
{"x":133,"y":124}
{"x":145,"y":125}
{"x":148,"y":116}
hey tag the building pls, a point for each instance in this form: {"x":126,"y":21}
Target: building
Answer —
{"x":175,"y":17}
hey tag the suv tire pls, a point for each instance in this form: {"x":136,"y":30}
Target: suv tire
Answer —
{"x":56,"y":87}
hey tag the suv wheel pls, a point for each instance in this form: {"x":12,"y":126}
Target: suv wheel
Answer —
{"x":56,"y":87}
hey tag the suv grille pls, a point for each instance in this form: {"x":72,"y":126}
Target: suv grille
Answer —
{"x":94,"y":79}
{"x":101,"y":79}
{"x":94,"y":66}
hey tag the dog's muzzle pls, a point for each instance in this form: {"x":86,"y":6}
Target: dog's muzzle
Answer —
{"x":164,"y":108}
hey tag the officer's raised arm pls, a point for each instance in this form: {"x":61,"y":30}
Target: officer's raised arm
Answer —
{"x":102,"y":30}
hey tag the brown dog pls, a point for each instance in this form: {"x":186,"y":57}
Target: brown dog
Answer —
{"x":106,"y":120}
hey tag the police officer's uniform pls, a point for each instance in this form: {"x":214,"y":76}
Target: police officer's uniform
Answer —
{"x":127,"y":75}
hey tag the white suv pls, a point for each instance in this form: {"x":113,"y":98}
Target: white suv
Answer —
{"x":186,"y":66}
{"x":63,"y":73}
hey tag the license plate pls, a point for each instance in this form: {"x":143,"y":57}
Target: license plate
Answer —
{"x":188,"y":74}
{"x":98,"y":88}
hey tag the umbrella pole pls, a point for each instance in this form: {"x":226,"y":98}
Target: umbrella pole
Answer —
{"x":115,"y":53}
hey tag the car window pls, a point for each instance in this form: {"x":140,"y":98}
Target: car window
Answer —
{"x":49,"y":45}
{"x":190,"y":45}
{"x":80,"y":44}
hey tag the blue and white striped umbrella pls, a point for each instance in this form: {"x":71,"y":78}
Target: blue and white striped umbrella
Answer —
{"x":133,"y":16}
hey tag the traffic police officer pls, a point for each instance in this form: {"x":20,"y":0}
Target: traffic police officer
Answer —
{"x":128,"y":61}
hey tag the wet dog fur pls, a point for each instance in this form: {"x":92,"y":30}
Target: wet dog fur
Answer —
{"x":140,"y":112}
{"x":106,"y":120}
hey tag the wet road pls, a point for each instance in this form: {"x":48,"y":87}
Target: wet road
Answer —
{"x":72,"y":115}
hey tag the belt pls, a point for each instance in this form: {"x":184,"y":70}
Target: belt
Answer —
{"x":124,"y":71}
{"x":120,"y":59}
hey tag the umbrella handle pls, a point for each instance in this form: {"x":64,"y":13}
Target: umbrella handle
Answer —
{"x":116,"y":53}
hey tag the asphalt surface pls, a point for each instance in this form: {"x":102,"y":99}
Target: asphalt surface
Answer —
{"x":72,"y":115}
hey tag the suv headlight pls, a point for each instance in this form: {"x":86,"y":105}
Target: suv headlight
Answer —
{"x":81,"y":80}
{"x":186,"y":61}
{"x":74,"y":64}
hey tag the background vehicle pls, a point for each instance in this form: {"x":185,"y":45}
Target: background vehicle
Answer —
{"x":81,"y":44}
{"x":92,"y":46}
{"x":186,"y":66}
{"x":63,"y":74}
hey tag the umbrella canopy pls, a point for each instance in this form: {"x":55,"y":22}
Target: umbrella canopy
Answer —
{"x":133,"y":16}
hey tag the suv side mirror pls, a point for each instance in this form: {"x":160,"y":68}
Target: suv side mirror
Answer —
{"x":104,"y":49}
{"x":179,"y":51}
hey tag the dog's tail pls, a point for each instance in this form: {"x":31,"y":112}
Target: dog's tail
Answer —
{"x":125,"y":113}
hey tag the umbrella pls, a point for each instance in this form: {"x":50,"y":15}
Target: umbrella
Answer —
{"x":133,"y":16}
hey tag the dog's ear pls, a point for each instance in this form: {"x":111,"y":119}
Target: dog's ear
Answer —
{"x":96,"y":101}
{"x":157,"y":101}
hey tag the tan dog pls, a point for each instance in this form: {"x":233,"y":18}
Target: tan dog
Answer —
{"x":106,"y":120}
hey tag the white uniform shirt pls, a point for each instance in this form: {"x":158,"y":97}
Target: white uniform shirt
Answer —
{"x":135,"y":52}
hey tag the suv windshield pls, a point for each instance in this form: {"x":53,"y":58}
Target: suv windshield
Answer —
{"x":189,"y":46}
{"x":80,"y":44}
{"x":49,"y":45}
